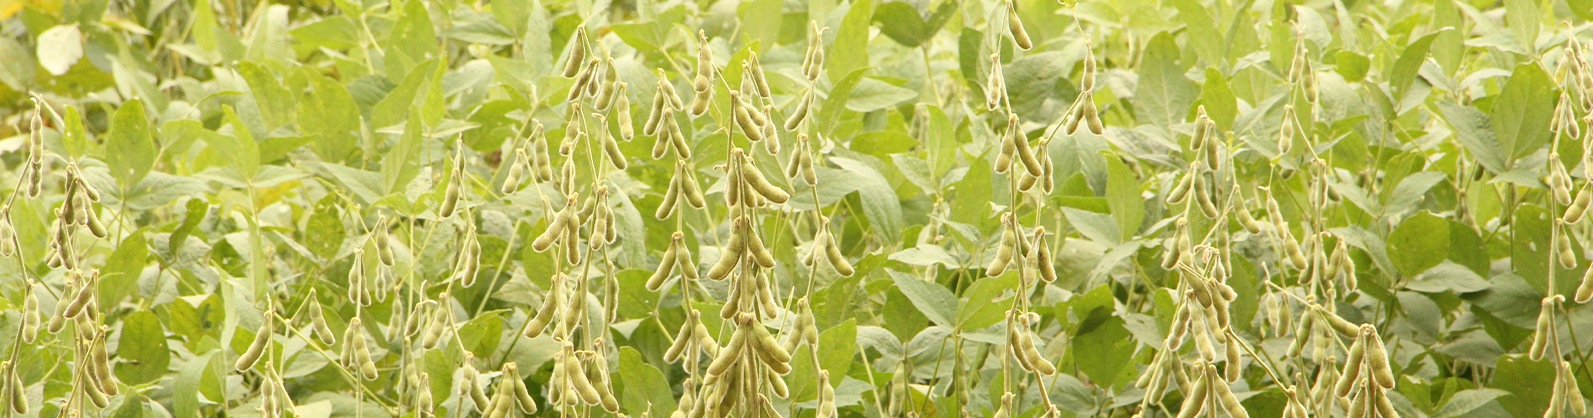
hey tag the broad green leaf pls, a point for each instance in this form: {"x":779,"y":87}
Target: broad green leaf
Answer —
{"x":186,"y":388}
{"x":1164,"y":94}
{"x":1522,"y":111}
{"x":646,"y":391}
{"x":902,"y":22}
{"x":1530,"y":384}
{"x":1201,"y":31}
{"x":119,"y":277}
{"x":839,"y":94}
{"x":1219,"y":101}
{"x":142,"y":347}
{"x":240,"y":148}
{"x":849,"y":52}
{"x":413,"y":34}
{"x":129,"y":148}
{"x":880,"y":204}
{"x":324,"y":232}
{"x":937,"y":303}
{"x":1123,"y":196}
{"x":329,"y":114}
{"x":1473,"y":131}
{"x":60,"y":48}
{"x":871,"y":95}
{"x":1409,"y":62}
{"x":986,"y":305}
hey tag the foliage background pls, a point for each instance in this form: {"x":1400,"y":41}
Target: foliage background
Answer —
{"x":267,"y":137}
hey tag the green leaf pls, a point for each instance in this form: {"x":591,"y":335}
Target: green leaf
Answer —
{"x":328,"y":113}
{"x":839,"y":94}
{"x":143,"y":349}
{"x":871,"y":95}
{"x":275,"y":102}
{"x":1104,"y":350}
{"x":1419,"y":243}
{"x":1522,"y":17}
{"x":129,"y":148}
{"x":239,"y":149}
{"x":197,"y":209}
{"x":413,"y":34}
{"x":880,"y":204}
{"x":901,"y":22}
{"x":1465,"y":401}
{"x":1409,"y":62}
{"x":186,"y":389}
{"x":1164,"y":94}
{"x":1201,"y":33}
{"x":1473,"y":130}
{"x":324,"y":232}
{"x":937,"y":303}
{"x":984,"y":306}
{"x":1219,"y":101}
{"x":761,"y":22}
{"x":1530,"y":384}
{"x":119,"y":278}
{"x":644,"y":385}
{"x":1522,"y":112}
{"x":849,"y":52}
{"x":1123,"y":196}
{"x":402,"y":162}
{"x":73,"y":136}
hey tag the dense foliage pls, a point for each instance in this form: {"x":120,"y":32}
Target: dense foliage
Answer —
{"x":795,"y":208}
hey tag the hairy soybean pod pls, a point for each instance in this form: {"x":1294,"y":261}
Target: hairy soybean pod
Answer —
{"x":666,"y":266}
{"x":31,"y":318}
{"x":801,"y":113}
{"x":1584,"y":292}
{"x":729,"y":354}
{"x":1196,"y":401}
{"x":1352,"y":368}
{"x":1540,"y":338}
{"x":262,"y":337}
{"x":572,"y":66}
{"x":1377,"y":358}
{"x":1020,"y":37}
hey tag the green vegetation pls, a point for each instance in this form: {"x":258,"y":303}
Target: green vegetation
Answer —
{"x":795,"y":208}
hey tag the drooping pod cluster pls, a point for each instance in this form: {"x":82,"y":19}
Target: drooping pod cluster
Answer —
{"x":33,"y":169}
{"x":467,"y":260}
{"x":1016,"y":144}
{"x":747,"y":185}
{"x":1021,"y":344}
{"x":313,"y":314}
{"x":995,"y":84}
{"x":1301,"y":75}
{"x":676,"y":259}
{"x":751,"y":359}
{"x":565,"y":226}
{"x":356,"y":355}
{"x":813,"y":59}
{"x":93,"y":373}
{"x":553,"y":307}
{"x":510,"y":393}
{"x":681,"y":185}
{"x":1324,"y":272}
{"x":600,"y":213}
{"x":702,"y":83}
{"x":1566,"y":395}
{"x":826,"y":246}
{"x":1318,"y":328}
{"x":1083,"y":110}
{"x":32,"y":319}
{"x":274,"y":400}
{"x":805,"y":329}
{"x":573,"y":381}
{"x":75,"y":212}
{"x":692,"y":341}
{"x":1020,"y":37}
{"x":801,"y":163}
{"x":13,"y":396}
{"x":262,"y":339}
{"x":1210,"y":392}
{"x":1367,"y":370}
{"x":750,"y":290}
